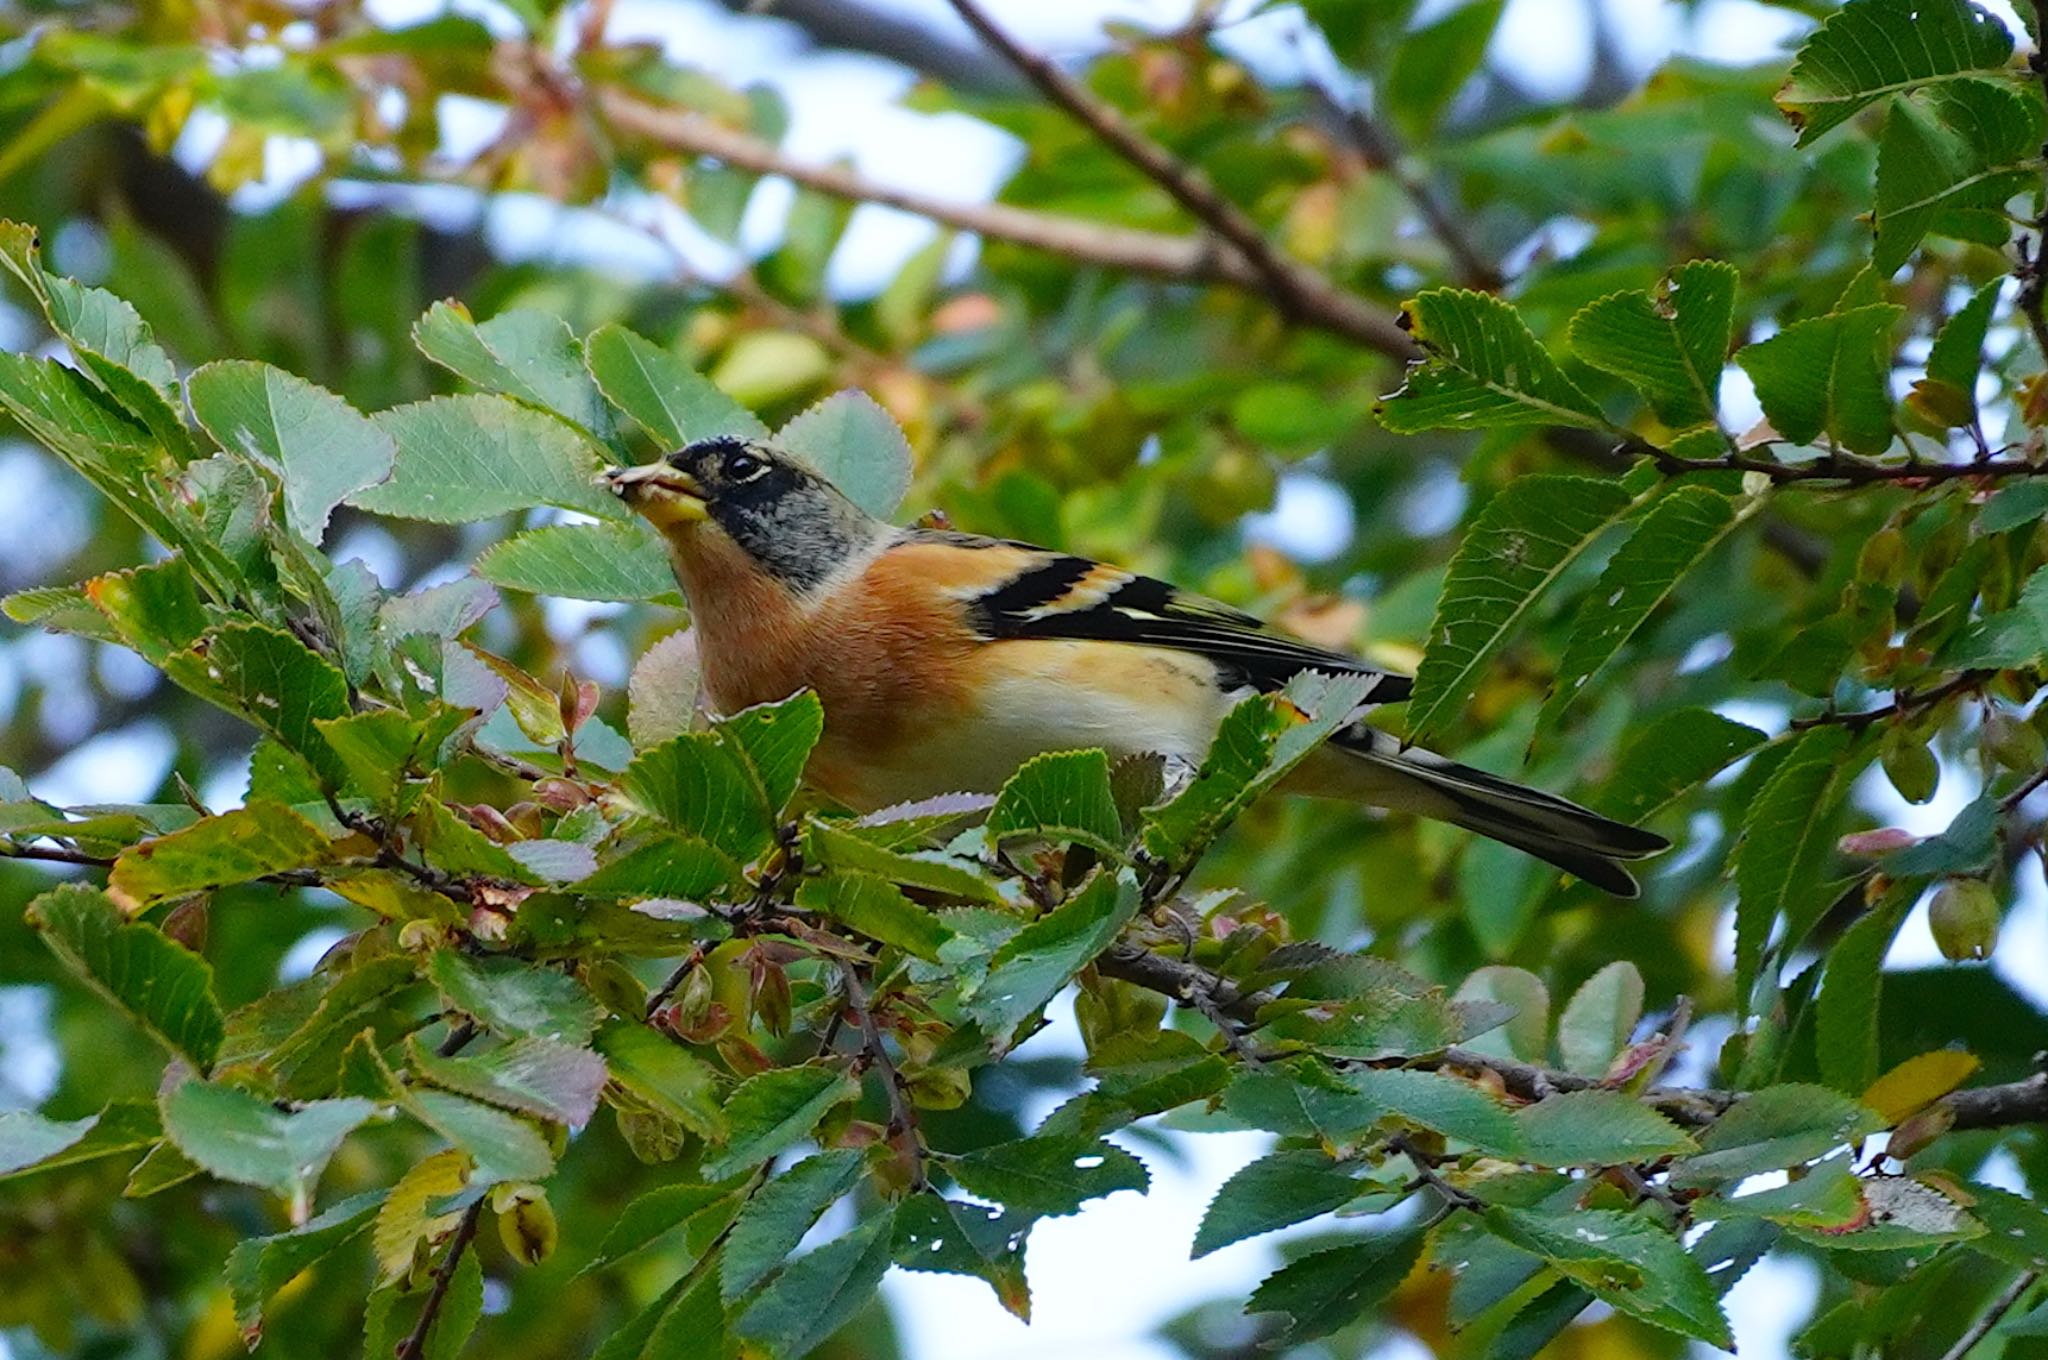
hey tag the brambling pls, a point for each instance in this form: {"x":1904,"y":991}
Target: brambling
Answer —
{"x":945,"y":660}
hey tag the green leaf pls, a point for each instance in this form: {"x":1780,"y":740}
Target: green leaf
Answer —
{"x":1432,"y":64}
{"x":2011,"y":638}
{"x":666,"y":1075}
{"x":46,"y":1145}
{"x":659,"y":1211}
{"x":1527,"y":1036}
{"x":158,"y":983}
{"x":528,"y":355}
{"x":235,"y":847}
{"x":856,"y":446}
{"x":777,"y":739}
{"x":1382,"y":1023}
{"x":959,"y":1238}
{"x":1948,"y":162}
{"x":701,"y":783}
{"x":1035,"y":963}
{"x":1672,"y":539}
{"x":377,"y":749}
{"x":833,"y":847}
{"x":273,"y":680}
{"x":26,"y":1138}
{"x":1625,"y":1261}
{"x":529,"y":1076}
{"x":1522,"y":541}
{"x":1276,"y":1191}
{"x":777,"y":1216}
{"x":1828,"y":1196}
{"x":1671,"y":347}
{"x":665,"y":396}
{"x":878,"y":910}
{"x":770,"y":1112}
{"x":1484,"y":370}
{"x":662,"y":691}
{"x":155,"y":609}
{"x":244,"y":1138}
{"x":1871,"y":49}
{"x":1597,"y":1022}
{"x":667,"y":865}
{"x":1784,"y":845}
{"x":514,"y":997}
{"x":1443,"y":1104}
{"x":322,"y":449}
{"x":1953,"y":363}
{"x":258,"y":1267}
{"x":1679,"y":750}
{"x":1047,"y":1177}
{"x":624,"y":561}
{"x":474,"y":457}
{"x":456,"y":848}
{"x":1596,"y":1128}
{"x":1828,"y":375}
{"x":504,"y":1147}
{"x":1060,"y":796}
{"x":1846,"y":1008}
{"x":1260,"y":740}
{"x":1326,"y":1291}
{"x":819,"y":1293}
{"x":1772,"y":1129}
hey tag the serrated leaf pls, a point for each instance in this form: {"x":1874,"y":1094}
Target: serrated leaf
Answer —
{"x":1047,"y":1177}
{"x":1672,"y":539}
{"x":856,"y":446}
{"x":1301,"y":1102}
{"x":1328,"y":1290}
{"x":530,"y":1076}
{"x":1774,"y":1128}
{"x":475,"y":457}
{"x":1526,"y":1037}
{"x":1871,"y":49}
{"x":322,"y":449}
{"x":244,"y":1138}
{"x":405,"y":1219}
{"x":836,"y":847}
{"x":1276,"y":1191}
{"x":504,"y":1147}
{"x":273,"y":680}
{"x":1625,"y":1261}
{"x":2011,"y":638}
{"x":258,"y":1267}
{"x":1676,"y":752}
{"x":460,"y":850}
{"x":662,"y":692}
{"x":1060,"y":796}
{"x":702,"y":784}
{"x":1431,"y":64}
{"x":1597,"y":1022}
{"x":876,"y":909}
{"x":1954,"y":362}
{"x":234,"y":847}
{"x":161,"y":985}
{"x":681,"y":867}
{"x":1259,"y":741}
{"x":959,"y":1238}
{"x":30,"y":1143}
{"x":1947,"y":163}
{"x":1846,"y":1008}
{"x":1524,"y":539}
{"x":1596,"y":1128}
{"x":666,"y":1075}
{"x":154,"y":609}
{"x":819,"y":1293}
{"x":1670,"y":346}
{"x":624,"y":562}
{"x":1443,"y":1104}
{"x":1828,"y":375}
{"x":1484,"y":370}
{"x":665,"y":396}
{"x":515,"y":997}
{"x":777,"y":1216}
{"x":26,"y":1138}
{"x":522,"y":353}
{"x":1035,"y":963}
{"x":777,"y":739}
{"x":1918,"y":1082}
{"x":770,"y":1112}
{"x":1784,"y":842}
{"x":650,"y":1216}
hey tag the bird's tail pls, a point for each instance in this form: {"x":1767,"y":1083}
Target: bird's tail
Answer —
{"x":1366,"y":765}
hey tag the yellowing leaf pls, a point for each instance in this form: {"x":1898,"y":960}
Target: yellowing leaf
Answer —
{"x":1918,"y":1082}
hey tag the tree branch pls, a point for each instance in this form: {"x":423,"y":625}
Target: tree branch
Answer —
{"x":902,"y":1116}
{"x":1992,"y":1316}
{"x":415,"y":1342}
{"x":1983,"y":1107}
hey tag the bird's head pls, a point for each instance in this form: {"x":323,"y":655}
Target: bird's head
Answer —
{"x":727,"y":490}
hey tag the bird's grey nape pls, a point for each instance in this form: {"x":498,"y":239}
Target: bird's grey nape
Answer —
{"x":804,"y":535}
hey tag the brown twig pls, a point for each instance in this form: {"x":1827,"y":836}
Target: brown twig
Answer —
{"x":1426,"y":1174}
{"x":1845,"y":471}
{"x":1992,"y":1316}
{"x":1907,"y":701}
{"x":415,"y":1342}
{"x":902,"y":1115}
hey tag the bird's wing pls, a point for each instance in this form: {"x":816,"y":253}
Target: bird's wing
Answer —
{"x":1034,"y":593}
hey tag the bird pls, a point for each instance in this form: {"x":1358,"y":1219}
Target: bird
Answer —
{"x":944,"y":660}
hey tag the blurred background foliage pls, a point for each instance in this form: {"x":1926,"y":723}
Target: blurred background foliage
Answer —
{"x":296,"y":183}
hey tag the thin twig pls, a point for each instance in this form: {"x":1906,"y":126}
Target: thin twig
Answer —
{"x":1427,"y":1174}
{"x":1992,"y":1316}
{"x":1905,"y":702}
{"x":415,"y":1342}
{"x":902,"y":1115}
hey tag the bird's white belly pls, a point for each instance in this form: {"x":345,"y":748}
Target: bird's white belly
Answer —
{"x":1071,"y":696}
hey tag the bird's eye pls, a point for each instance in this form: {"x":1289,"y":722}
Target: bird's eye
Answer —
{"x":744,"y":467}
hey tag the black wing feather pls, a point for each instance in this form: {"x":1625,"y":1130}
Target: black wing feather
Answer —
{"x":1150,"y":612}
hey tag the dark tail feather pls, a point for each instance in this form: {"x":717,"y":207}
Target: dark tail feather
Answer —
{"x":1555,"y":830}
